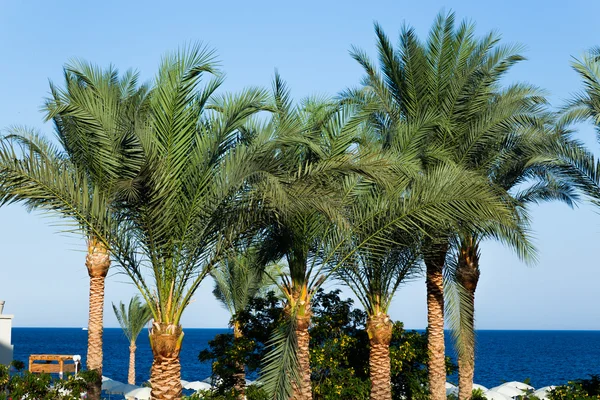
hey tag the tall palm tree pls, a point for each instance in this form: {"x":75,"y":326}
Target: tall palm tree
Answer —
{"x":239,"y":278}
{"x":132,"y":320}
{"x":80,"y":179}
{"x":190,"y":198}
{"x":441,"y":99}
{"x":534,"y":167}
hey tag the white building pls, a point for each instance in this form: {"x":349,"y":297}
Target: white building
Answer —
{"x":6,"y":348}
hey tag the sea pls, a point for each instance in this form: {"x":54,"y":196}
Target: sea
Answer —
{"x":543,"y":357}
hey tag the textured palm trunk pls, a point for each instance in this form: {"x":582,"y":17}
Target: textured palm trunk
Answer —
{"x":434,"y":262}
{"x":97,"y":262}
{"x":302,"y":390}
{"x":239,"y":376}
{"x":131,"y":375}
{"x":467,"y":275}
{"x":379,"y":328}
{"x":165,"y":375}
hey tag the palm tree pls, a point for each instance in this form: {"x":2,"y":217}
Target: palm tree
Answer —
{"x":441,"y":99}
{"x":239,"y":278}
{"x":374,"y":277}
{"x":534,"y":167}
{"x":190,"y":198}
{"x":132,"y":320}
{"x":80,"y":179}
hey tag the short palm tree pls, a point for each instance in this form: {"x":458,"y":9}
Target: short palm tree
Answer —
{"x":374,"y":277}
{"x":132,"y":320}
{"x":239,"y":278}
{"x":82,"y":177}
{"x":441,"y":100}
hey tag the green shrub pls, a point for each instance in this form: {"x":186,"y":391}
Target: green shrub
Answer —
{"x":42,"y":386}
{"x":579,"y":389}
{"x":252,"y":393}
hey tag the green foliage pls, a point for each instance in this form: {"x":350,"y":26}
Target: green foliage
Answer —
{"x":43,"y":386}
{"x":578,"y":389}
{"x":477,"y":395}
{"x":133,"y":318}
{"x":339,"y":350}
{"x":252,"y":393}
{"x":261,"y":316}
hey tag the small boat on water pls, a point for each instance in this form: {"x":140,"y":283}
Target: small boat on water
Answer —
{"x":84,"y":329}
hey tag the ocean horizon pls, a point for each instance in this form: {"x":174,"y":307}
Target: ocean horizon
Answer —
{"x":545,"y":357}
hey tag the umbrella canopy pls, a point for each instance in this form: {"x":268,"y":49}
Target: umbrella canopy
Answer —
{"x":121,"y":389}
{"x":518,"y":385}
{"x":142,"y":393}
{"x":105,"y":378}
{"x":493,"y":395}
{"x":542,"y":393}
{"x":109,"y":384}
{"x":480,"y":387}
{"x":197,"y":385}
{"x":507,"y":390}
{"x":183,"y":383}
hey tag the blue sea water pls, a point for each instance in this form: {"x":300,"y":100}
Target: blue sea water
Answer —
{"x":545,"y":357}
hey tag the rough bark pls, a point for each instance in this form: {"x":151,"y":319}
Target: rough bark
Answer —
{"x":379,"y":328}
{"x":131,"y":375}
{"x":97,"y":262}
{"x":165,"y":375}
{"x":434,"y":262}
{"x":467,"y":275}
{"x":303,"y":388}
{"x":239,"y":376}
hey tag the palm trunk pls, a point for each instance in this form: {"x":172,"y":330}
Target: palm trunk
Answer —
{"x":239,"y":376}
{"x":434,"y":262}
{"x":302,"y":390}
{"x":97,"y":262}
{"x":165,"y":375}
{"x":131,"y":375}
{"x":467,"y":275}
{"x":379,"y":328}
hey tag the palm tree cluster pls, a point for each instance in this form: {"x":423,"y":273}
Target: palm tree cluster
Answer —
{"x":174,"y":182}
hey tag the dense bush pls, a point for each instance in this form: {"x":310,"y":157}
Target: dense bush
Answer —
{"x":579,"y":389}
{"x":42,"y":386}
{"x":339,"y":351}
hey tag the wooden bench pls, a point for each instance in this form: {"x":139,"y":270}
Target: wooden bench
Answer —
{"x":51,"y":364}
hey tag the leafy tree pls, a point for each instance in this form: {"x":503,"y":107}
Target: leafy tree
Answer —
{"x":132,"y":321}
{"x":261,"y":316}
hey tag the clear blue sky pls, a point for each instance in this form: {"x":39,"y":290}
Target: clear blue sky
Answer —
{"x":42,"y":274}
